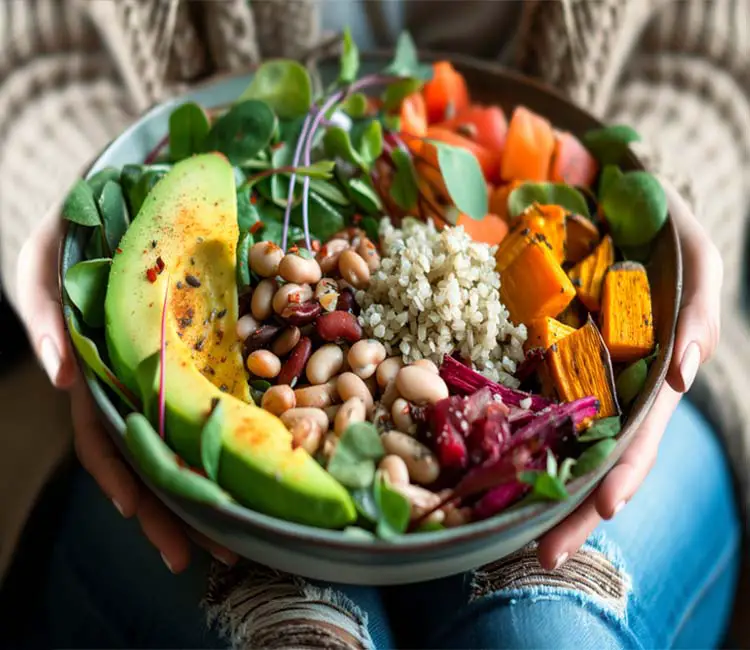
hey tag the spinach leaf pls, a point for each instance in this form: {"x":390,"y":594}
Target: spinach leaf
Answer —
{"x":100,"y":179}
{"x":544,"y":486}
{"x":284,"y":85}
{"x":601,"y":429}
{"x":96,"y":244}
{"x":405,"y":62}
{"x":610,"y":174}
{"x":323,"y":219}
{"x":86,"y":284}
{"x":463,"y":179}
{"x":364,"y":501}
{"x":247,"y":214}
{"x":394,"y":508}
{"x":610,"y":143}
{"x":594,"y":456}
{"x":353,"y":461}
{"x":211,"y":438}
{"x":354,"y":105}
{"x":243,"y":265}
{"x":349,"y":63}
{"x":630,"y":381}
{"x":137,"y":181}
{"x":404,"y":188}
{"x":338,"y":144}
{"x":243,"y":131}
{"x":114,"y":213}
{"x":547,"y":194}
{"x":635,"y":206}
{"x":80,"y":206}
{"x":370,"y":142}
{"x":364,"y":195}
{"x":188,"y":128}
{"x":327,"y":190}
{"x":371,"y":227}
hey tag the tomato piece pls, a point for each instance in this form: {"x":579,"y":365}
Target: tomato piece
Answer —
{"x":446,"y":94}
{"x":413,"y":115}
{"x":571,"y":162}
{"x":528,"y":149}
{"x":485,"y":125}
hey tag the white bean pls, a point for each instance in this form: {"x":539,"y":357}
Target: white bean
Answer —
{"x":291,"y":292}
{"x":353,"y":269}
{"x":319,"y":396}
{"x":316,"y":415}
{"x":264,"y":363}
{"x":420,"y":461}
{"x":351,"y":411}
{"x":278,"y":399}
{"x":388,"y":370}
{"x":246,"y":325}
{"x":395,"y":469}
{"x":264,"y":258}
{"x":329,"y":255}
{"x":306,"y":434}
{"x":401,"y":416}
{"x":294,"y":268}
{"x":349,"y":385}
{"x":261,"y":304}
{"x":420,"y":386}
{"x":365,"y":356}
{"x":369,"y":253}
{"x":427,"y":365}
{"x":421,"y":501}
{"x":455,"y":517}
{"x":390,"y":395}
{"x":324,"y":363}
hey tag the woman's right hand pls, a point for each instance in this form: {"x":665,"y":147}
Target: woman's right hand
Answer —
{"x":39,"y":307}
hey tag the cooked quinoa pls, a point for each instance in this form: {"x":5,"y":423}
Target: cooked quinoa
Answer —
{"x":436,"y":293}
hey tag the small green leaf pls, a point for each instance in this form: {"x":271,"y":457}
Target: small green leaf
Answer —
{"x":349,"y":59}
{"x":370,"y":143}
{"x":635,"y":206}
{"x":371,"y":227}
{"x":364,"y":195}
{"x":188,"y":128}
{"x":405,"y":61}
{"x":100,"y":179}
{"x":211,"y":439}
{"x":547,"y":194}
{"x":364,"y":501}
{"x":281,"y":156}
{"x":327,"y":190}
{"x":355,"y":532}
{"x":610,"y":143}
{"x":247,"y":213}
{"x":243,"y":265}
{"x":609,"y":175}
{"x":464,"y":180}
{"x":354,"y":105}
{"x":86,"y":284}
{"x":159,"y":463}
{"x":95,"y":245}
{"x":243,"y":131}
{"x":147,"y":378}
{"x":566,"y":470}
{"x":284,"y":85}
{"x":137,"y":181}
{"x":261,"y":385}
{"x":601,"y":429}
{"x":396,"y":92}
{"x":353,"y":462}
{"x":337,"y":143}
{"x":394,"y":508}
{"x":80,"y":206}
{"x":594,"y":456}
{"x":89,"y":353}
{"x":114,"y":213}
{"x":404,"y":188}
{"x":630,"y":381}
{"x":544,"y":486}
{"x":323,"y":218}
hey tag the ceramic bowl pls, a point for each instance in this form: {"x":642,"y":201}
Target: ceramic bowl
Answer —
{"x":330,"y":555}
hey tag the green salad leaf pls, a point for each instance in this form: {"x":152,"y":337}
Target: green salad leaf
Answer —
{"x":100,"y":179}
{"x":247,"y":214}
{"x":188,"y":127}
{"x":369,"y":142}
{"x":601,"y":429}
{"x":284,"y":85}
{"x":631,"y":380}
{"x":349,"y":62}
{"x":137,"y":181}
{"x":244,"y":245}
{"x":243,"y":131}
{"x":404,"y":188}
{"x":353,"y":461}
{"x":394,"y":509}
{"x":405,"y":62}
{"x":86,"y":285}
{"x":338,"y":144}
{"x":323,"y":218}
{"x":544,"y":486}
{"x":396,"y":92}
{"x":594,"y":456}
{"x":565,"y":473}
{"x":328,"y":191}
{"x":354,"y":105}
{"x":609,"y":144}
{"x":367,"y":507}
{"x":464,"y":180}
{"x":80,"y":205}
{"x":364,"y":196}
{"x":114,"y":213}
{"x":610,"y":174}
{"x":211,"y":441}
{"x":635,"y":206}
{"x":371,"y":227}
{"x":547,"y":194}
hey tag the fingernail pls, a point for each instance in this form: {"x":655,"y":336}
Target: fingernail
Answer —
{"x":618,"y":507}
{"x":560,"y":560}
{"x":118,"y":506}
{"x":166,"y":561}
{"x":50,"y":358}
{"x":691,"y":361}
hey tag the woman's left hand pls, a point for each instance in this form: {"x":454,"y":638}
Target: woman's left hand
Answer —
{"x":697,"y":337}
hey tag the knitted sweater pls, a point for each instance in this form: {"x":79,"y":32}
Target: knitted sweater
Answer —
{"x":74,"y":74}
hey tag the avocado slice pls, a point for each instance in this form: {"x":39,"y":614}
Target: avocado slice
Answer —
{"x":188,"y":227}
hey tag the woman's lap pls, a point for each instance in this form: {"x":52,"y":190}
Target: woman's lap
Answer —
{"x":673,"y":549}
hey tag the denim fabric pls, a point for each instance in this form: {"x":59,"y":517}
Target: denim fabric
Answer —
{"x":676,"y":543}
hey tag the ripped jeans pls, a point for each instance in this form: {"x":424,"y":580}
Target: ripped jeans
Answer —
{"x":662,"y":574}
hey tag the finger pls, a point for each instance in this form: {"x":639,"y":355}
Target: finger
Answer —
{"x":99,"y":456}
{"x":223,"y":555}
{"x":164,"y":531}
{"x":564,"y":540}
{"x":700,"y":313}
{"x":39,"y":303}
{"x":619,"y":486}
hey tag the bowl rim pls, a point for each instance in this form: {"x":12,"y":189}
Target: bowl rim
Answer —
{"x":247,"y":518}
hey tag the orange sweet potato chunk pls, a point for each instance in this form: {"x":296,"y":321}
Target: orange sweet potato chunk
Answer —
{"x":588,"y":274}
{"x":581,"y":236}
{"x":545,"y":332}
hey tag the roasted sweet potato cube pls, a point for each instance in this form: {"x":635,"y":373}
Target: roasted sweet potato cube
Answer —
{"x":627,"y":320}
{"x":588,"y":275}
{"x":547,"y":223}
{"x":534,"y":285}
{"x":544,"y":332}
{"x":579,"y":365}
{"x":581,"y":237}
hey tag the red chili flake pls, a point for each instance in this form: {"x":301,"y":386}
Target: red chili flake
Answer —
{"x":118,"y":250}
{"x":151,"y":275}
{"x":256,"y":227}
{"x":160,"y":264}
{"x":356,"y":218}
{"x":253,"y":199}
{"x":295,"y":297}
{"x":294,"y":249}
{"x":277,"y":146}
{"x":315,"y":245}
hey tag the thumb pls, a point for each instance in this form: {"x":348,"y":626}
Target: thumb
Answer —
{"x":39,"y":303}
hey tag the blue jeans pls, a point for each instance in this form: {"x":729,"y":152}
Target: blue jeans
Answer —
{"x":675,"y":546}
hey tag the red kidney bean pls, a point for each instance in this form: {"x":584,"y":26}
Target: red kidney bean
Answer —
{"x":346,"y":301}
{"x":295,"y":364}
{"x":244,"y":302}
{"x":261,"y":337}
{"x":302,"y":313}
{"x":338,"y":325}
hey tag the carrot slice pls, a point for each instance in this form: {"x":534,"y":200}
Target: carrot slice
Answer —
{"x":528,"y":149}
{"x":571,"y":162}
{"x":485,"y":125}
{"x":490,"y":230}
{"x":413,"y":115}
{"x":446,"y":93}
